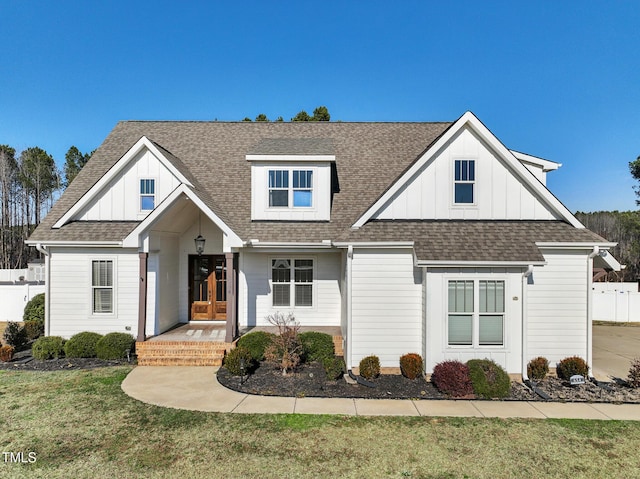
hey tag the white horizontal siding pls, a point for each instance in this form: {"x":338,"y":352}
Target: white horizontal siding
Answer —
{"x":254,"y":290}
{"x":120,"y":199}
{"x":557,"y":306}
{"x":386,"y":305}
{"x":71,"y":294}
{"x":498,"y":193}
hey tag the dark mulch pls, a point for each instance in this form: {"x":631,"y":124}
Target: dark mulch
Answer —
{"x":310,"y":381}
{"x":23,"y":361}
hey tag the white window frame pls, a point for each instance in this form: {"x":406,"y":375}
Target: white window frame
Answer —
{"x":290,"y":188}
{"x":112,"y":287}
{"x":142,"y":195}
{"x":476,"y":314}
{"x":292,"y":281}
{"x":473,"y":183}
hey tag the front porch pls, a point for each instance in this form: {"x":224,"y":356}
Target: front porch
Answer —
{"x":203,"y":344}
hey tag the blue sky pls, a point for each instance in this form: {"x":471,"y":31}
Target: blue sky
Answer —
{"x":560,"y":80}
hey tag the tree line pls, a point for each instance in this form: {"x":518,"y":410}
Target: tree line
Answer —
{"x":319,"y":114}
{"x":30,"y":182}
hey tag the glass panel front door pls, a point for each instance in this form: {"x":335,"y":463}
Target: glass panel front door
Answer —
{"x":207,"y":287}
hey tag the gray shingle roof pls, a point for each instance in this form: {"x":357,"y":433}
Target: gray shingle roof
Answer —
{"x":369,"y":158}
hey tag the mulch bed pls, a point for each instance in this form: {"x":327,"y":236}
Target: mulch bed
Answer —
{"x":23,"y":361}
{"x":310,"y":381}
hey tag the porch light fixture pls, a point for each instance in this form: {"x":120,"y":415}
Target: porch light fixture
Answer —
{"x":199,"y":241}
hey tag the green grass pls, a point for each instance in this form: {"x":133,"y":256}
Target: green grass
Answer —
{"x":81,"y":425}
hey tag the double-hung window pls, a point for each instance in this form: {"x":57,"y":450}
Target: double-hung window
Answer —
{"x":464,"y":181}
{"x":297,"y":193}
{"x":292,"y":278}
{"x":102,"y":286}
{"x":475,"y":313}
{"x":147,"y":194}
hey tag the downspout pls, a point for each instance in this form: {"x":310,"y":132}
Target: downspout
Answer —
{"x":349,"y":318}
{"x":593,"y":254}
{"x":525,"y":316}
{"x":47,"y":301}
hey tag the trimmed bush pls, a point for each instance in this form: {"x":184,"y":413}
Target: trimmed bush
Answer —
{"x":34,"y":309}
{"x":571,"y":366}
{"x":256,"y":343}
{"x":15,"y":335}
{"x":370,"y":367}
{"x":634,"y":374}
{"x":238,"y":357}
{"x":82,"y":345}
{"x":48,"y":347}
{"x":411,"y":365}
{"x":334,"y":367}
{"x":33,"y":329}
{"x":538,"y":368}
{"x":316,"y":346}
{"x":488,"y":378}
{"x":452,"y":378}
{"x":114,"y":346}
{"x":6,"y":353}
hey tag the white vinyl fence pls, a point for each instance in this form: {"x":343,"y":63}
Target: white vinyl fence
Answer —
{"x":617,"y":302}
{"x":14,"y":297}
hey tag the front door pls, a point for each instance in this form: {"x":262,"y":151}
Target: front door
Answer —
{"x":207,"y":287}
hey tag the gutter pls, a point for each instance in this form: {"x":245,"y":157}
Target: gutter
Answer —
{"x":348,"y":359}
{"x":47,"y":301}
{"x":525,"y":280}
{"x":595,"y":252}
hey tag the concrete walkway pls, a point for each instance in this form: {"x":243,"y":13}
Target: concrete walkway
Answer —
{"x":196,"y":388}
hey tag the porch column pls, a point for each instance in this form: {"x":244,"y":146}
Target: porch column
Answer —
{"x":232,"y":320}
{"x":142,"y":297}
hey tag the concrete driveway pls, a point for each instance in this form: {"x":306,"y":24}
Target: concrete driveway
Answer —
{"x":613,"y":349}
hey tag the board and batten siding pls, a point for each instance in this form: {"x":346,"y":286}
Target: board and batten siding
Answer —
{"x":120,"y":199}
{"x":557,"y":306}
{"x":254,"y":290}
{"x":386,"y":307}
{"x":71,"y":295}
{"x":499,"y":194}
{"x":508,"y":356}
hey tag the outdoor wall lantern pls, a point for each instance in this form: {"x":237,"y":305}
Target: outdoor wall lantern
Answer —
{"x":199,"y":241}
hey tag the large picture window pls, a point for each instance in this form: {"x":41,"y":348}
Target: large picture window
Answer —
{"x":292,"y":279}
{"x":102,"y":286}
{"x":475,"y":313}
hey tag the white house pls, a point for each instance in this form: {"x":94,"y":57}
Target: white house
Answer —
{"x":409,"y":237}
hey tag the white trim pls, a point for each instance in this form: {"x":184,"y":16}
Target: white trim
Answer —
{"x":73,"y":243}
{"x":546,"y":165}
{"x":133,"y":239}
{"x":288,"y":245}
{"x":375,"y":244}
{"x":469,"y":119}
{"x":471,"y":264}
{"x":580,"y":245}
{"x":140,"y":145}
{"x":290,"y":158}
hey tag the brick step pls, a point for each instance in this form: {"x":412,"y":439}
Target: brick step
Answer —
{"x":164,"y":361}
{"x":181,"y":353}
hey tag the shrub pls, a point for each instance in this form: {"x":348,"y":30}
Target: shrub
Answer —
{"x":114,"y":346}
{"x":571,"y":366}
{"x":411,"y":365}
{"x":334,"y":367}
{"x":285,"y":349}
{"x":538,"y":368}
{"x":236,"y":359}
{"x":6,"y":353}
{"x":82,"y":345}
{"x":452,"y":378}
{"x":370,"y":367}
{"x":15,"y":335}
{"x":317,"y":346}
{"x":488,"y":378}
{"x":33,"y":329}
{"x":48,"y":347}
{"x":34,"y":309}
{"x":256,"y":343}
{"x":634,"y":374}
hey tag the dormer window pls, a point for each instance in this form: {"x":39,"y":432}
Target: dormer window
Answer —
{"x":147,"y":194}
{"x":298,"y":193}
{"x":464,"y":181}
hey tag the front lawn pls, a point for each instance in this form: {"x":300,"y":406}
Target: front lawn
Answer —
{"x":80,"y":424}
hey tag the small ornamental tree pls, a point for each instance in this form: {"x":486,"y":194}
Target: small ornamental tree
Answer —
{"x":285,"y":350}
